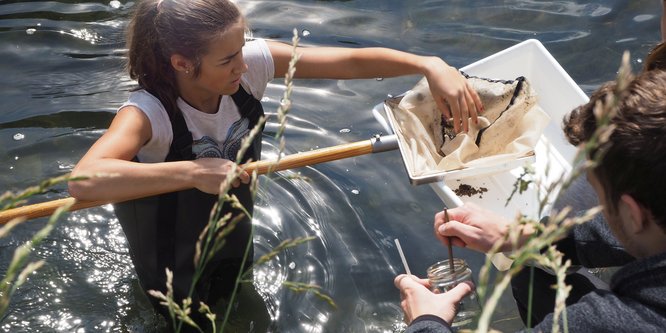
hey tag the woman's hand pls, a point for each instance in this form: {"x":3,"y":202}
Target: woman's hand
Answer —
{"x":210,"y":173}
{"x":453,"y":94}
{"x":473,"y":227}
{"x":418,"y":300}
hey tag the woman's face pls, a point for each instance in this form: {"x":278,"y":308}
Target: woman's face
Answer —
{"x":223,"y":64}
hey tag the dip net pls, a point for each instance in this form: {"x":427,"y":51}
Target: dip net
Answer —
{"x":508,"y":129}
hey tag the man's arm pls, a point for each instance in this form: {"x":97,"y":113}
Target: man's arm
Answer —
{"x":592,"y":244}
{"x":425,"y":311}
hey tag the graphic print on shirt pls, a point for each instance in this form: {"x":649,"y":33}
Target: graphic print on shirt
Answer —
{"x":207,"y":147}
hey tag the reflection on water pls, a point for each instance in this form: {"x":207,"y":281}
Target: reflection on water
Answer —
{"x":62,"y":78}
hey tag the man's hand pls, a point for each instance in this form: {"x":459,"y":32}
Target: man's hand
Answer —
{"x":476,"y":228}
{"x":418,"y":300}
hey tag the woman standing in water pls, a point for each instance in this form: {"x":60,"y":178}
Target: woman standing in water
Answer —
{"x":199,"y":89}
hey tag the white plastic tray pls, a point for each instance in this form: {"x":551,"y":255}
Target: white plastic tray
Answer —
{"x":558,"y":95}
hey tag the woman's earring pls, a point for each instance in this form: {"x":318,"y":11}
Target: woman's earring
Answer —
{"x":187,"y":71}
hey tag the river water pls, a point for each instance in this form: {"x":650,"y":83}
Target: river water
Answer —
{"x":62,"y":79}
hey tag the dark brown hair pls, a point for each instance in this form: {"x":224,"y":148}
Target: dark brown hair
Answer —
{"x":161,"y":28}
{"x":634,"y":160}
{"x":656,"y":58}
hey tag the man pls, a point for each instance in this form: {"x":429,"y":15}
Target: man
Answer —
{"x":629,"y":182}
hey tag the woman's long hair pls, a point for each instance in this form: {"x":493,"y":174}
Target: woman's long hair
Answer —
{"x":160,"y":28}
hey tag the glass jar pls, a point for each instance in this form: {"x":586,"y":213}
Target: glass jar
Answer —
{"x":443,"y":279}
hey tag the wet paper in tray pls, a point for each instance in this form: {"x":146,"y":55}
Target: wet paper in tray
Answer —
{"x":508,"y":129}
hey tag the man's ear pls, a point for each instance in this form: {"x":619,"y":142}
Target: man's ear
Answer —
{"x":181,"y":64}
{"x":633,"y":213}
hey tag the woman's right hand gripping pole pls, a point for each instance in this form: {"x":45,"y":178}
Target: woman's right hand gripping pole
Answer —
{"x":211,"y":173}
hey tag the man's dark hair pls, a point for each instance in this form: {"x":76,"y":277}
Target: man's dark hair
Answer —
{"x":634,"y":159}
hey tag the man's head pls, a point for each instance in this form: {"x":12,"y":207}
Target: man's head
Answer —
{"x":631,"y":176}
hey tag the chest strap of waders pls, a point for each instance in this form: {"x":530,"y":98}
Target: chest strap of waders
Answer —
{"x":250,"y":108}
{"x":181,"y":150}
{"x":167,"y":210}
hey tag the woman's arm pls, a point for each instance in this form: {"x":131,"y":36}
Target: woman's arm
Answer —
{"x":116,"y":178}
{"x":451,"y":91}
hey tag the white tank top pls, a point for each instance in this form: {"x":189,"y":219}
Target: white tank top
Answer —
{"x":211,"y":133}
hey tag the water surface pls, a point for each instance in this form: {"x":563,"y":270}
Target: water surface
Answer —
{"x":62,"y":79}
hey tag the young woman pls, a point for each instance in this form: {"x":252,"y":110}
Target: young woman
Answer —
{"x":200,"y":82}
